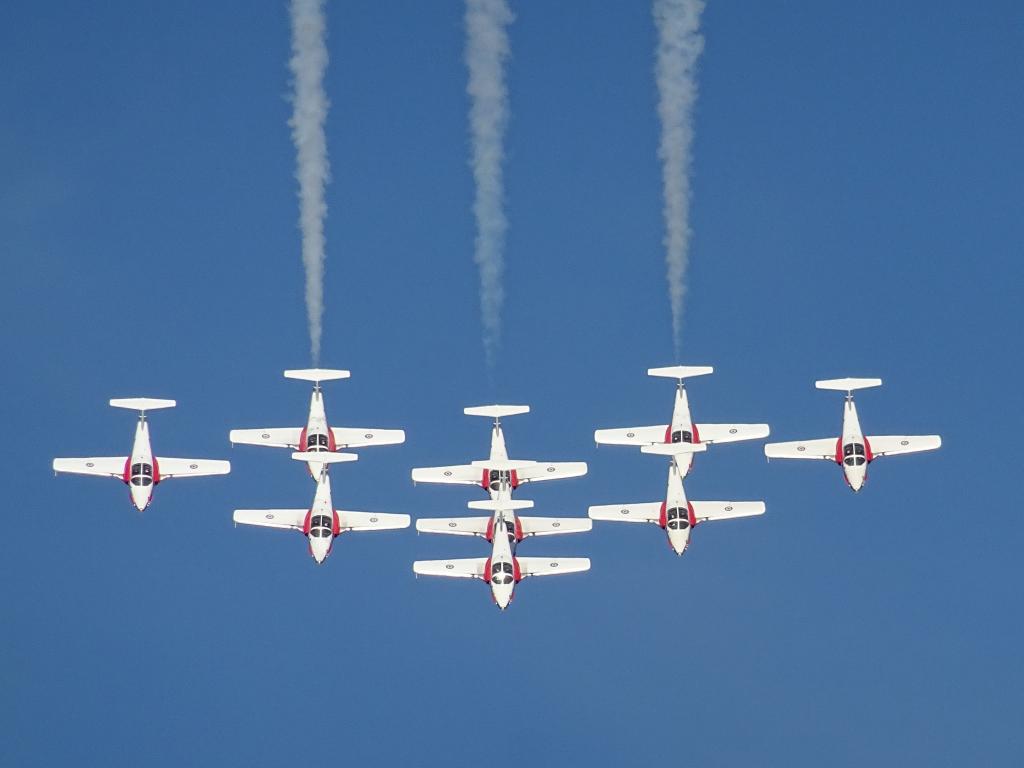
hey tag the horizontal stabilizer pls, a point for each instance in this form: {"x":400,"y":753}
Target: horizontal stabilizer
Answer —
{"x":847,"y":385}
{"x":498,"y":505}
{"x":324,"y":457}
{"x":673,"y":449}
{"x":142,"y":403}
{"x":549,"y":526}
{"x":496,"y":411}
{"x":503,"y":464}
{"x":681,"y":371}
{"x":317,"y":375}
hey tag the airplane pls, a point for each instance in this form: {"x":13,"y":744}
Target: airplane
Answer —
{"x":676,"y":515}
{"x":503,"y":569}
{"x":141,"y":471}
{"x":682,"y":429}
{"x":852,"y":450}
{"x":497,"y":474}
{"x":321,"y":523}
{"x":317,"y":435}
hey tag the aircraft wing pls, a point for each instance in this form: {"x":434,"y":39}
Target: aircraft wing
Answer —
{"x":463,"y":474}
{"x":645,"y":512}
{"x":275,"y":437}
{"x":100,"y":466}
{"x":726,"y":510}
{"x":371,"y":521}
{"x":893,"y":445}
{"x":551,"y":566}
{"x":460,"y":526}
{"x":558,"y":470}
{"x":288,"y":519}
{"x":730,"y":433}
{"x":824,"y":448}
{"x":191,"y":467}
{"x":467,"y":568}
{"x":631,"y":435}
{"x":364,"y":437}
{"x":547,"y":526}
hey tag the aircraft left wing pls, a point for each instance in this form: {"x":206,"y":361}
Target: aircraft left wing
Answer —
{"x":364,"y":437}
{"x":551,"y":566}
{"x":275,"y":437}
{"x":893,"y":445}
{"x":467,"y":568}
{"x":558,"y":470}
{"x":644,"y":512}
{"x":371,"y":521}
{"x":725,"y":510}
{"x":100,"y":466}
{"x":803,"y":449}
{"x":288,"y":519}
{"x":463,"y":474}
{"x":191,"y":467}
{"x":631,"y":435}
{"x":730,"y":433}
{"x":547,"y":526}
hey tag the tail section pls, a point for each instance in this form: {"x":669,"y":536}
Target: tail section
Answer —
{"x":324,"y":457}
{"x":496,"y":411}
{"x":681,"y":371}
{"x":674,"y":449}
{"x":316,"y":375}
{"x":142,"y":404}
{"x":847,"y":385}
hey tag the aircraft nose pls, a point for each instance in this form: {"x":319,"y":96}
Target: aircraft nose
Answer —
{"x":140,"y":497}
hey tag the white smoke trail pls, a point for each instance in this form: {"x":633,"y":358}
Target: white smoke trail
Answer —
{"x":308,"y":62}
{"x":679,"y":47}
{"x":486,"y":51}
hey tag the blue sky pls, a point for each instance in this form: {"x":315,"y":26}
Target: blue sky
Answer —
{"x":857,"y":211}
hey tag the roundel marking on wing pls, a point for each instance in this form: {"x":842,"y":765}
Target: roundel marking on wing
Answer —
{"x":556,"y":524}
{"x":624,"y":511}
{"x":449,"y":566}
{"x":453,"y":525}
{"x":801,"y":448}
{"x":733,"y":431}
{"x":265,"y":435}
{"x":269,"y":516}
{"x":368,"y":435}
{"x":728,"y":507}
{"x":551,"y":469}
{"x":904,"y":442}
{"x":553,"y":565}
{"x":193,"y":466}
{"x":89,"y":464}
{"x":631,"y":434}
{"x":447,"y":473}
{"x":373,"y":519}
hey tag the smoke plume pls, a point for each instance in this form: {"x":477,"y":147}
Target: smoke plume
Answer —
{"x":486,"y":51}
{"x":679,"y":47}
{"x":308,"y":62}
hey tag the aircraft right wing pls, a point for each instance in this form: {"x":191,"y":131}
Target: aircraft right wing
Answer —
{"x":547,"y":526}
{"x":558,"y":470}
{"x":730,"y":433}
{"x":824,"y":448}
{"x":631,"y":435}
{"x":468,"y":568}
{"x":289,"y":519}
{"x":363,"y":437}
{"x":191,"y":467}
{"x":462,"y":474}
{"x":277,"y":437}
{"x":100,"y":466}
{"x":551,"y":566}
{"x":725,"y":510}
{"x":894,"y":445}
{"x":645,"y":512}
{"x":460,"y":526}
{"x":371,"y":521}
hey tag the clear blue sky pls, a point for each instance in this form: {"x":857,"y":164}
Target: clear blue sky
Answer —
{"x":857,"y":212}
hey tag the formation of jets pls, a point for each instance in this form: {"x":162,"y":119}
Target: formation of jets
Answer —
{"x":318,"y":446}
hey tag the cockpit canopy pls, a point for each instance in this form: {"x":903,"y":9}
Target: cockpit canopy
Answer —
{"x":854,"y":455}
{"x":320,"y":526}
{"x":501,"y":573}
{"x":498,"y":476}
{"x":678,"y":518}
{"x":317,"y":443}
{"x":142,"y":474}
{"x":682,"y":436}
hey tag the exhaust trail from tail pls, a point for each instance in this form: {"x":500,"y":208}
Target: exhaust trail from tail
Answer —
{"x":679,"y":46}
{"x":307,"y":64}
{"x":487,"y":49}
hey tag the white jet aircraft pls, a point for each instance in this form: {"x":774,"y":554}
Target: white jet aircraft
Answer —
{"x":317,"y":436}
{"x":497,"y":474}
{"x":676,"y":515}
{"x":852,"y":450}
{"x":503,"y":569}
{"x":321,"y":523}
{"x":142,"y":471}
{"x":682,"y":429}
